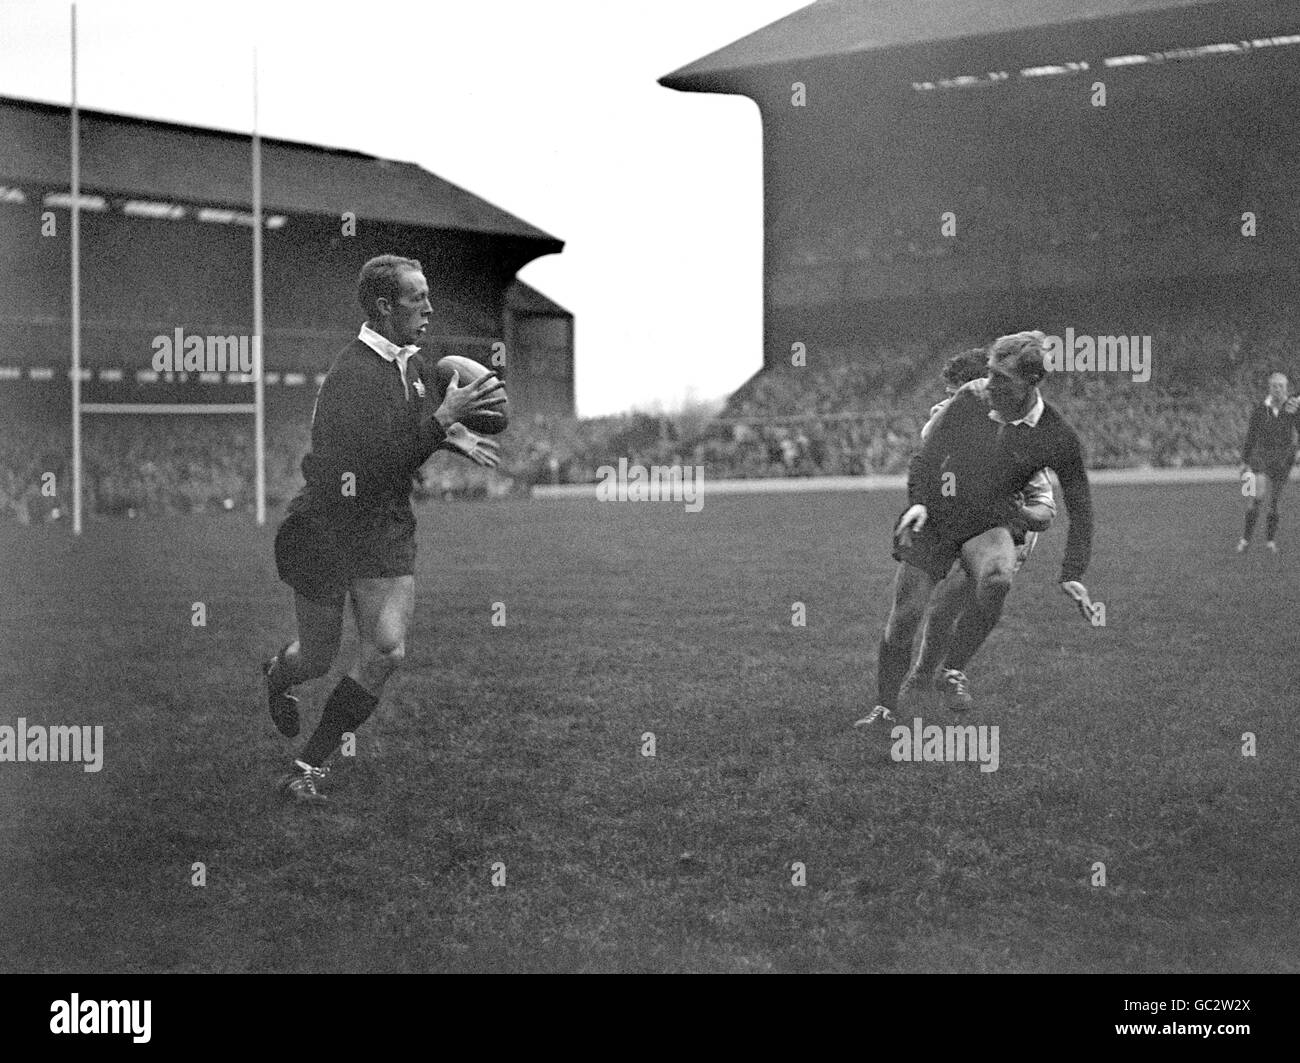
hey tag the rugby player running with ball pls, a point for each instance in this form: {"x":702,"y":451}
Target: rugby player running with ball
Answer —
{"x":350,"y":532}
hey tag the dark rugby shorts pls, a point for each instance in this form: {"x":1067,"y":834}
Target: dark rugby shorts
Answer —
{"x":319,"y":553}
{"x":1276,"y":465}
{"x":929,"y":550}
{"x":934,"y":552}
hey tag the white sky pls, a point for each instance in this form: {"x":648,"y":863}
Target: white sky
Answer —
{"x":548,"y":109}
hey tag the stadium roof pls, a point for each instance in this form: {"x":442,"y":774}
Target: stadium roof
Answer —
{"x":140,"y":157}
{"x":838,"y":28}
{"x":524,"y":298}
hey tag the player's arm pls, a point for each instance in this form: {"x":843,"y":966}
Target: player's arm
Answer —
{"x":1078,"y":504}
{"x":1291,"y":410}
{"x":923,"y":469}
{"x":935,"y":410}
{"x":1078,"y":544}
{"x":1252,"y":434}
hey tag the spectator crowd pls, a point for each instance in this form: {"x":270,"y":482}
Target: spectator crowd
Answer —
{"x":849,"y":411}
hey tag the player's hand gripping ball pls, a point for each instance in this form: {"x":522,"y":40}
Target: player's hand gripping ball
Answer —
{"x":494,"y":417}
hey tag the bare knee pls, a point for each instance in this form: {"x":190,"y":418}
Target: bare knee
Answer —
{"x":993,"y":584}
{"x":387,"y":654}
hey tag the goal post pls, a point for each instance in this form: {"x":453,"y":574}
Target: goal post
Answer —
{"x":259,"y":382}
{"x":74,"y":122}
{"x":257,"y":407}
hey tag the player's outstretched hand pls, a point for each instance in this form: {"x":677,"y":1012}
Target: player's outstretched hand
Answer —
{"x":910,"y":523}
{"x":460,"y":402}
{"x":479,"y":450}
{"x":1292,"y":404}
{"x":1077,"y":591}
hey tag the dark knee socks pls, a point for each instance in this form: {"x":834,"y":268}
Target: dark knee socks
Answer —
{"x":892,"y":664}
{"x":282,"y":675}
{"x":935,"y":640}
{"x":1270,"y":522}
{"x":1252,"y":515}
{"x":348,"y":707}
{"x":976,"y":623}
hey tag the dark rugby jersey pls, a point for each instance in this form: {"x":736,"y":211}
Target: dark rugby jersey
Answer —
{"x":1271,"y":433}
{"x":990,"y":462}
{"x":364,"y":423}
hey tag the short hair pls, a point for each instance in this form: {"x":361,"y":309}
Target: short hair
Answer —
{"x":971,"y":364}
{"x":379,"y":279}
{"x":1025,"y":351}
{"x":1278,"y":372}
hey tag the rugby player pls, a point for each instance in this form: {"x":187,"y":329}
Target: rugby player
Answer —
{"x":985,"y":447}
{"x":1268,"y":455}
{"x":350,"y":532}
{"x":956,"y":591}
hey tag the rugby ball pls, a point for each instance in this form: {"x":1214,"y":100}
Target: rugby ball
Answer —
{"x":488,"y":421}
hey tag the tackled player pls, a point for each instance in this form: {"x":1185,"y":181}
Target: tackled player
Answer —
{"x":932,"y":673}
{"x":985,"y":447}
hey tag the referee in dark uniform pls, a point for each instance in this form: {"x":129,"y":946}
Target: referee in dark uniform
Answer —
{"x":1268,"y":455}
{"x":350,"y":532}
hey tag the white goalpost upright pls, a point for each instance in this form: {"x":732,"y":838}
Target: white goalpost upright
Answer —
{"x":75,"y":151}
{"x":259,"y":384}
{"x":257,"y":407}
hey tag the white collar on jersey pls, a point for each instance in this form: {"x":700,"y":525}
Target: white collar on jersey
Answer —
{"x":384,"y":347}
{"x":390,"y":352}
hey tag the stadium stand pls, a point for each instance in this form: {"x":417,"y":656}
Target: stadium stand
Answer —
{"x":1125,"y":219}
{"x":166,"y":245}
{"x":852,"y":410}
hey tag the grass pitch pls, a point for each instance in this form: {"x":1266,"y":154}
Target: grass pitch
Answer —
{"x":522,"y":746}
